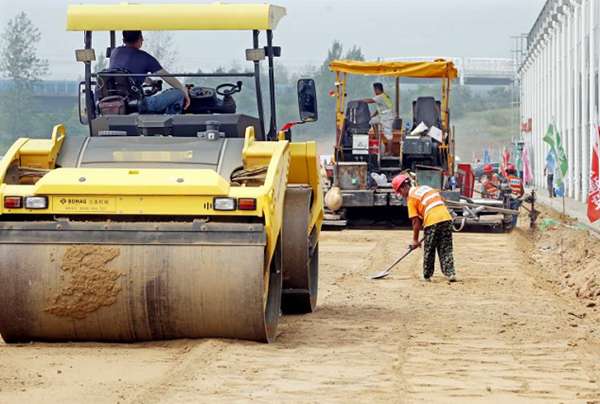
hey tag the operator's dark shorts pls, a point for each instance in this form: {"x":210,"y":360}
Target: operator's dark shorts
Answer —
{"x":438,"y":237}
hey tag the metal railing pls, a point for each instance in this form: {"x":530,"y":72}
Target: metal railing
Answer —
{"x":471,"y":67}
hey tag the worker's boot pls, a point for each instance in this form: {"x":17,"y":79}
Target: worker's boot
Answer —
{"x":451,"y":278}
{"x":423,"y":279}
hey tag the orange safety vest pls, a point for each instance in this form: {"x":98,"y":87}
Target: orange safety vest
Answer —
{"x":428,"y":199}
{"x":515,"y":185}
{"x":492,"y":187}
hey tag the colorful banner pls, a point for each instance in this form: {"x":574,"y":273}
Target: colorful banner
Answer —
{"x":527,"y":175}
{"x":550,"y":163}
{"x":593,"y":208}
{"x":553,"y":138}
{"x":505,"y":160}
{"x":527,"y":126}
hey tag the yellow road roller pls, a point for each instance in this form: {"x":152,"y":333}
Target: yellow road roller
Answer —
{"x":199,"y":223}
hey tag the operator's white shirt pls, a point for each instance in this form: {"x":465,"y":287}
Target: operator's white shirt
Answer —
{"x":383,"y":106}
{"x":385,"y":118}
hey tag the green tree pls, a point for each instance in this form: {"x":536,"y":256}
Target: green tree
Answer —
{"x":357,"y":88}
{"x":355,"y":53}
{"x":21,"y":66}
{"x":325,"y":82}
{"x":333,"y":53}
{"x":160,"y":45}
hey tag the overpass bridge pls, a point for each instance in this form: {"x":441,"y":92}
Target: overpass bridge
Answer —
{"x":51,"y":95}
{"x":49,"y":88}
{"x":473,"y":71}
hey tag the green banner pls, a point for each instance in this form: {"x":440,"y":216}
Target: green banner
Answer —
{"x":519,"y":160}
{"x":553,"y":138}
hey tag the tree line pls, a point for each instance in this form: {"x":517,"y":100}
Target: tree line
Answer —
{"x":19,"y":64}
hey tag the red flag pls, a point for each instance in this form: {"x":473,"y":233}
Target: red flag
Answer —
{"x":527,"y":126}
{"x":527,"y":176}
{"x":505,"y":159}
{"x":593,"y":209}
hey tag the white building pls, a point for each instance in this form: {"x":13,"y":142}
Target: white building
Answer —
{"x":559,"y":82}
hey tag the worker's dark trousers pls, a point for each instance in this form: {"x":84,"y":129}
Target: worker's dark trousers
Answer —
{"x":550,"y":184}
{"x":515,"y":204}
{"x":438,"y":237}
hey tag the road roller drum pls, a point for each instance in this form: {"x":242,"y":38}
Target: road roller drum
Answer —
{"x":192,"y":288}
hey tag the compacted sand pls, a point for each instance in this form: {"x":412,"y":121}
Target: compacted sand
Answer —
{"x":514,"y":329}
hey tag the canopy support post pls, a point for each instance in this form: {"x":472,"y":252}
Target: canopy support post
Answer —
{"x":259,"y":99}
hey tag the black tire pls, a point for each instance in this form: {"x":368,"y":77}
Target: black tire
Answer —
{"x":300,"y":254}
{"x":273,"y":307}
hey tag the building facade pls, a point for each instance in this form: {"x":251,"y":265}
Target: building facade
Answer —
{"x":559,"y":83}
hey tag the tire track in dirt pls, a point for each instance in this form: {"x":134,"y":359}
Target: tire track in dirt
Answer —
{"x":500,"y":343}
{"x":194,"y":355}
{"x":313,"y":353}
{"x":502,"y":334}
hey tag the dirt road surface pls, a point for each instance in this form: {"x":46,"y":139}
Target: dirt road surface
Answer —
{"x":504,"y":333}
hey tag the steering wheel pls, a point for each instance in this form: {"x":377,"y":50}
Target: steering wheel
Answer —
{"x":229,"y":88}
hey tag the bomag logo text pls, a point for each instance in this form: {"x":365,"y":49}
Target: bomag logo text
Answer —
{"x":75,"y":201}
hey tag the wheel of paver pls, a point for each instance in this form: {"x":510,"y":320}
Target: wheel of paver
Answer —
{"x":300,"y":254}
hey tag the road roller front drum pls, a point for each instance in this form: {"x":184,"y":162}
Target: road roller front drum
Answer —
{"x":134,"y":283}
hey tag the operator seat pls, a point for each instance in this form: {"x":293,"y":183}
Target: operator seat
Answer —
{"x":118,"y":95}
{"x":427,"y":110}
{"x":357,"y":121}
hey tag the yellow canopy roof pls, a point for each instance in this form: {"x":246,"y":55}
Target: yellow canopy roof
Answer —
{"x":167,"y":17}
{"x":438,"y":69}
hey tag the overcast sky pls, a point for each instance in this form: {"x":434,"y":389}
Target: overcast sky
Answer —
{"x":457,"y":28}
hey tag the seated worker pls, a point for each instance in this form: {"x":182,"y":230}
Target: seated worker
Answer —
{"x":516,"y":186}
{"x":491,"y":183}
{"x":136,"y":61}
{"x":383,"y":118}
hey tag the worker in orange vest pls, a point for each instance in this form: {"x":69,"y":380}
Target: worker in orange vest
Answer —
{"x":426,"y":205}
{"x":516,"y":186}
{"x":491,"y":183}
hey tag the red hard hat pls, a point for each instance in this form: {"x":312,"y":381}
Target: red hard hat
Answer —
{"x":510,"y":167}
{"x":399,"y":180}
{"x":488,"y":168}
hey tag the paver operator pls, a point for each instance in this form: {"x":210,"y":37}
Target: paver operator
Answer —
{"x":426,"y":205}
{"x":383,"y":118}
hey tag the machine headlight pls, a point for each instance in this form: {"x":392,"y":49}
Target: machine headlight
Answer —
{"x":224,"y":204}
{"x":36,"y":202}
